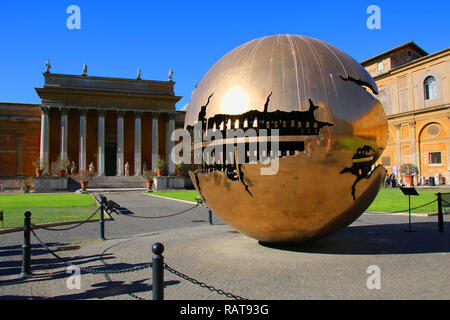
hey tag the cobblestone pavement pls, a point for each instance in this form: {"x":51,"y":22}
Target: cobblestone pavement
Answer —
{"x":413,"y":265}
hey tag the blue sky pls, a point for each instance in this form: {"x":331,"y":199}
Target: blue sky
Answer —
{"x":117,"y":37}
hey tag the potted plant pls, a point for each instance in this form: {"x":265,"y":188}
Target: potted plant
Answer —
{"x":63,"y":165}
{"x":408,"y":170}
{"x":39,"y":166}
{"x":179,"y":168}
{"x":148,"y":176}
{"x":160,"y":165}
{"x":85,"y":176}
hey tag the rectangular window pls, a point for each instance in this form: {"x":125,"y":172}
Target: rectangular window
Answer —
{"x":380,"y":66}
{"x":434,"y":158}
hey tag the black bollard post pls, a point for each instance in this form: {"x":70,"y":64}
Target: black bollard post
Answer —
{"x":26,"y":247}
{"x":210,"y":217}
{"x":158,"y":271}
{"x":440,"y":213}
{"x":102,"y":222}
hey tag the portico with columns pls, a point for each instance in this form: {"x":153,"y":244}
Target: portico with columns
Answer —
{"x":108,"y":122}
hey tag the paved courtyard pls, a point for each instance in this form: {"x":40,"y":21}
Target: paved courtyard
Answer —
{"x":412,"y":265}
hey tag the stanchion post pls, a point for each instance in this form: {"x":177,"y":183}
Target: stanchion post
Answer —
{"x":26,"y":247}
{"x":209,"y":216}
{"x":158,"y":271}
{"x":440,"y":213}
{"x":102,"y":221}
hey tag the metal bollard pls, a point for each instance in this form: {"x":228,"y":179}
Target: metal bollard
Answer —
{"x":158,"y":271}
{"x":26,"y":247}
{"x":210,"y":217}
{"x":440,"y":213}
{"x":102,"y":222}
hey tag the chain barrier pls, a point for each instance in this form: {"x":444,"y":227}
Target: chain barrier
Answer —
{"x":136,"y":297}
{"x":137,"y":268}
{"x":202,"y":284}
{"x":65,"y":229}
{"x":423,"y":205}
{"x":88,"y":269}
{"x":170,"y":215}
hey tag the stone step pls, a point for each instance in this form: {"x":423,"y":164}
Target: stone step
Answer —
{"x":112,"y":182}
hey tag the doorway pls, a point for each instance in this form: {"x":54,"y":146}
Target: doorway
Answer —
{"x":110,"y":159}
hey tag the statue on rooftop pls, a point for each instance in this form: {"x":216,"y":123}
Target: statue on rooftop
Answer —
{"x":48,"y":66}
{"x":84,"y":72}
{"x":138,"y":74}
{"x":170,"y":74}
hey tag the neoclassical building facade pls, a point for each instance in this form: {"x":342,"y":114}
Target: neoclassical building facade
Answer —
{"x":118,"y":126}
{"x":115,"y":123}
{"x":415,"y":91}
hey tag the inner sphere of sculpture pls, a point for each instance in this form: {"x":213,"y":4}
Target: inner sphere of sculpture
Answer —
{"x":332,"y":130}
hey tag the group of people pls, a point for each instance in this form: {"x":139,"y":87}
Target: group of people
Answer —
{"x":390,"y":181}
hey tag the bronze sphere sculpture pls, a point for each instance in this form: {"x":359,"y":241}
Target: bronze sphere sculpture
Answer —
{"x":331,"y":131}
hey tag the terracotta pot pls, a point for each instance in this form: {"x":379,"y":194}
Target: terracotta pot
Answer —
{"x":179,"y":172}
{"x":409,"y":178}
{"x":149,"y":184}
{"x":84,"y":185}
{"x":62,"y":173}
{"x":159,"y":173}
{"x":39,"y":172}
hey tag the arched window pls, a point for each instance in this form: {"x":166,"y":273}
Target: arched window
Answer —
{"x":430,"y":87}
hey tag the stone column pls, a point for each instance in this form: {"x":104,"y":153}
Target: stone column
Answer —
{"x":412,"y":130}
{"x":137,"y":144}
{"x":45,"y":139}
{"x":155,"y":149}
{"x":64,"y":128}
{"x":82,"y":152}
{"x":101,"y":143}
{"x":170,"y":127}
{"x":398,"y":148}
{"x":447,"y":178}
{"x":120,"y":143}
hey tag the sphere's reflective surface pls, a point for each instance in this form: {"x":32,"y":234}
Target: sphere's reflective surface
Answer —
{"x":331,"y":133}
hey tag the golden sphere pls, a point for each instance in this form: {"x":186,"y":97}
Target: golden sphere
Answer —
{"x":332,"y":130}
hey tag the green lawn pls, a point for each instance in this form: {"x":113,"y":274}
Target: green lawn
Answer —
{"x":392,"y":200}
{"x":387,"y":200}
{"x":45,"y":208}
{"x":182,"y":195}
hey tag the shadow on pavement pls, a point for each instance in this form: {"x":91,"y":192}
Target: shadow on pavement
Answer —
{"x":39,"y":265}
{"x":378,"y":239}
{"x":125,"y":211}
{"x":99,"y":291}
